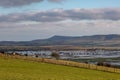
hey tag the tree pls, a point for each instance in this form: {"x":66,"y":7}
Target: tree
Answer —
{"x":55,"y":55}
{"x":26,"y":54}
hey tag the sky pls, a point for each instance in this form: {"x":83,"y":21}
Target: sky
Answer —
{"x":24,"y":20}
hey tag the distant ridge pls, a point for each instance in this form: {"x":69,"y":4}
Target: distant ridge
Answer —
{"x":94,"y":40}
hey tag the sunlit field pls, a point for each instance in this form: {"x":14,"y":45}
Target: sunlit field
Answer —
{"x":16,"y":69}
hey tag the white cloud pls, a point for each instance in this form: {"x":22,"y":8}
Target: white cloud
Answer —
{"x":56,"y":15}
{"x":74,"y":22}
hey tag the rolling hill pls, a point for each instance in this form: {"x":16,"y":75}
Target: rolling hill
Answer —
{"x":95,"y":40}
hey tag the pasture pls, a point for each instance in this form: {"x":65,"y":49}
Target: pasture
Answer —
{"x":18,"y":69}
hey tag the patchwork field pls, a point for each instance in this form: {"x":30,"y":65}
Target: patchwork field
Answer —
{"x":17,"y":69}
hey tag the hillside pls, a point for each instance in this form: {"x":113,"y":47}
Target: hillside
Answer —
{"x":95,"y":40}
{"x":17,"y":69}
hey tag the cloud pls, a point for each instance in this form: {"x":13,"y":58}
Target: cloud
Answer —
{"x":57,"y":15}
{"x":74,"y":22}
{"x":12,"y":3}
{"x":56,"y":1}
{"x":94,"y":14}
{"x":16,"y":3}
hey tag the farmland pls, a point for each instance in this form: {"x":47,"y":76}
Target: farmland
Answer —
{"x":18,"y":69}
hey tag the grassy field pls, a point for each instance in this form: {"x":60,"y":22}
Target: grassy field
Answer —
{"x":16,"y":69}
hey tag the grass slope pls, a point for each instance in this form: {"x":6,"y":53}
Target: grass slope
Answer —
{"x":16,"y":69}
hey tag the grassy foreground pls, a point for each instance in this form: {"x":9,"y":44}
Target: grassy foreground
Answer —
{"x":16,"y":69}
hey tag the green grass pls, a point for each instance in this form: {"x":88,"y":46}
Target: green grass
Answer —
{"x":16,"y":69}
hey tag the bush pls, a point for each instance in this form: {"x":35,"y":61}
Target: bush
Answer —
{"x":100,"y":64}
{"x":55,"y":55}
{"x":104,"y":64}
{"x":107,"y":65}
